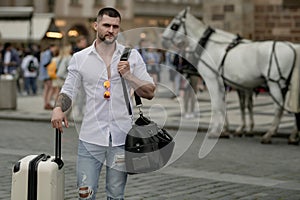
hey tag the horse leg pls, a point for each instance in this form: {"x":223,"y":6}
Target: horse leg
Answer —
{"x":250,"y":111}
{"x":295,"y":135}
{"x":242,"y":97}
{"x":278,"y":98}
{"x":225,"y":132}
{"x":266,"y":139}
{"x":218,"y":104}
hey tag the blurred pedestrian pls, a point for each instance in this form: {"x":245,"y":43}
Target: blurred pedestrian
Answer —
{"x":1,"y":60}
{"x":174,"y":75}
{"x":162,"y":59}
{"x":152,"y":59}
{"x":141,"y":47}
{"x":191,"y":87}
{"x":293,"y":104}
{"x":81,"y":43}
{"x":36,"y":51}
{"x":179,"y":81}
{"x":64,"y":58}
{"x":30,"y":67}
{"x":46,"y":57}
{"x":11,"y":59}
{"x":56,"y":85}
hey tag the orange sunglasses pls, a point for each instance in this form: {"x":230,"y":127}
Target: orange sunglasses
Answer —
{"x":106,"y":85}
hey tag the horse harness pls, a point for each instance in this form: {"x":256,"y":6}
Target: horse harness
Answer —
{"x":231,"y":45}
{"x":288,"y":79}
{"x":235,"y":42}
{"x":201,"y":46}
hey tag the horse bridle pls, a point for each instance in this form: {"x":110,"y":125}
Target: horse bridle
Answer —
{"x":175,"y":27}
{"x":201,"y":43}
{"x":203,"y":40}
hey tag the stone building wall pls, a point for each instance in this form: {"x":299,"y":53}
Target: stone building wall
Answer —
{"x":256,"y":19}
{"x":235,"y":16}
{"x":275,"y":21}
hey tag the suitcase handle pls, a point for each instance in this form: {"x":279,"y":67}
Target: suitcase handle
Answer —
{"x":57,"y":158}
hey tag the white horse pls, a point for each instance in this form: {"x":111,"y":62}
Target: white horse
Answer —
{"x":222,"y":57}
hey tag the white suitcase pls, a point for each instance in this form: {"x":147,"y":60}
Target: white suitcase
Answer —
{"x":39,"y":177}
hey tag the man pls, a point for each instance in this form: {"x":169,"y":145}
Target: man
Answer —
{"x":11,"y":63}
{"x":11,"y":59}
{"x":293,"y":101}
{"x":106,"y":120}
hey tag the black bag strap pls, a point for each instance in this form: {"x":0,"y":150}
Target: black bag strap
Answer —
{"x":138,"y":101}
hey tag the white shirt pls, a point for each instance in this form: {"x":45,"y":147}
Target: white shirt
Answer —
{"x":102,"y":117}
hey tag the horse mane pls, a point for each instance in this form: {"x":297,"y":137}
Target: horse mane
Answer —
{"x":221,"y":36}
{"x":193,"y":24}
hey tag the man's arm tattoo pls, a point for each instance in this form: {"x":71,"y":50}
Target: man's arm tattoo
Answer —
{"x":63,"y":101}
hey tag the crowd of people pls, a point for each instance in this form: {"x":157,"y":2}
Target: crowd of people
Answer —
{"x":30,"y":66}
{"x":184,"y":76}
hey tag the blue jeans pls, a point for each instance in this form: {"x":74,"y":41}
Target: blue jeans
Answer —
{"x":89,"y":164}
{"x":30,"y":83}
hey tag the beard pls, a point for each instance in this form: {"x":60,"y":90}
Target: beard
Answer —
{"x":103,"y":39}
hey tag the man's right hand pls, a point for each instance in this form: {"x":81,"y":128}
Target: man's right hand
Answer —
{"x":57,"y":119}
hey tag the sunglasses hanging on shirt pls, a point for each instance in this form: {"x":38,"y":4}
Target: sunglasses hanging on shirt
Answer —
{"x":106,"y":85}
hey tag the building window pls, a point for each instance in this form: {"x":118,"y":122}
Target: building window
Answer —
{"x":120,"y":3}
{"x":229,"y":8}
{"x":291,"y":3}
{"x":51,"y":5}
{"x":98,"y":2}
{"x":74,"y":2}
{"x":218,"y":17}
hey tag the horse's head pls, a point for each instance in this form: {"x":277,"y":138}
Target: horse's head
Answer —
{"x":175,"y":33}
{"x":184,"y":30}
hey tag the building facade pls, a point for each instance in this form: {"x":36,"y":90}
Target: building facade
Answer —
{"x":256,"y":19}
{"x":253,"y":19}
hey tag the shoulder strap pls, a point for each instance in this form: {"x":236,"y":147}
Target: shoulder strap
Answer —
{"x":124,"y":57}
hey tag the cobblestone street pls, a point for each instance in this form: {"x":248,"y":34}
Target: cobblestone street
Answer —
{"x":238,"y":168}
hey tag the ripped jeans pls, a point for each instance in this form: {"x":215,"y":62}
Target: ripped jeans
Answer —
{"x":89,"y":164}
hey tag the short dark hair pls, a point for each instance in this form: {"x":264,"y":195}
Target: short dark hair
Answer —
{"x":108,"y":11}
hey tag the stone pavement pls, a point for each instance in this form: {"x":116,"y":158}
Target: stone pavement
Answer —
{"x":236,"y":169}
